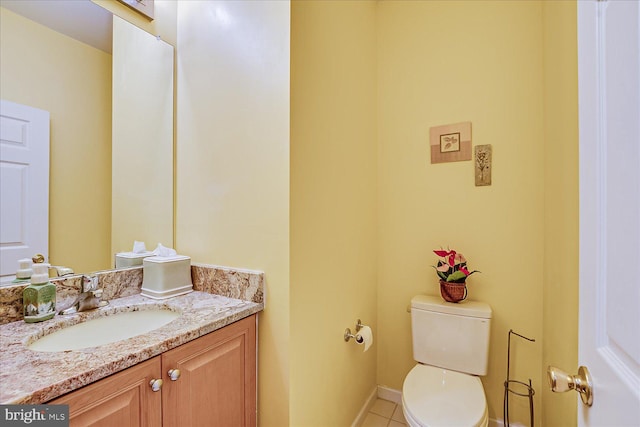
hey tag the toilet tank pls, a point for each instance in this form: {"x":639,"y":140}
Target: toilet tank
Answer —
{"x":451,"y":336}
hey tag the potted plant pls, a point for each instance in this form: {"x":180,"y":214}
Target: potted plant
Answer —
{"x":453,"y":272}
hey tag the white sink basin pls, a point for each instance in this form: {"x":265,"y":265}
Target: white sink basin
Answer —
{"x":104,"y":330}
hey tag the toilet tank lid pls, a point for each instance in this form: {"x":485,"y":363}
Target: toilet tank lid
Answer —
{"x":464,"y":308}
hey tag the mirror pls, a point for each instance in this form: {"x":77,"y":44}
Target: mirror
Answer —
{"x":142,"y":144}
{"x":111,"y":143}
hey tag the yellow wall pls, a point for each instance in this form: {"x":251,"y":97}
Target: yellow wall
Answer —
{"x":45,"y":69}
{"x":560,"y":328}
{"x":443,"y":62}
{"x":333,"y":208}
{"x":233,"y":162}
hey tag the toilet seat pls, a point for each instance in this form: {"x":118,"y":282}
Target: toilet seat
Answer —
{"x":435,"y":397}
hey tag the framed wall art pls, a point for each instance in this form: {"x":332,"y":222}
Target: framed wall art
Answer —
{"x":450,"y":143}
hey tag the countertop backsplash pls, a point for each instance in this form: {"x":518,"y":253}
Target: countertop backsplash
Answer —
{"x":247,"y":285}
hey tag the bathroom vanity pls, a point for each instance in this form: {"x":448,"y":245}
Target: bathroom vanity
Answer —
{"x":198,"y":369}
{"x":208,"y":381}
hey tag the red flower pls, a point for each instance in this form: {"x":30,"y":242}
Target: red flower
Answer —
{"x":452,"y":266}
{"x":441,"y":253}
{"x":452,"y":258}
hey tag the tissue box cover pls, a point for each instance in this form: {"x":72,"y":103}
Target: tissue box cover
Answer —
{"x":131,"y":259}
{"x":166,"y":277}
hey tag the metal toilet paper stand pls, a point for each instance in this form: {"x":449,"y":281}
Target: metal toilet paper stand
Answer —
{"x":528,"y":390}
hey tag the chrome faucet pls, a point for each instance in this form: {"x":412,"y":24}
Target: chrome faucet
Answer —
{"x":89,"y":298}
{"x":61,"y":271}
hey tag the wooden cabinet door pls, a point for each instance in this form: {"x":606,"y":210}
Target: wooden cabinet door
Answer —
{"x":217,"y":383}
{"x":124,"y":399}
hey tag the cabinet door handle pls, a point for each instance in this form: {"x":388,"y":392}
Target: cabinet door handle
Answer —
{"x":156,"y":384}
{"x":174,"y":374}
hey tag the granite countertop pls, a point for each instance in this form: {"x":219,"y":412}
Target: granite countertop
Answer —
{"x":31,"y":377}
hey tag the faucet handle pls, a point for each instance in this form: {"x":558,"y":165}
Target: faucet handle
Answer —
{"x":89,"y":283}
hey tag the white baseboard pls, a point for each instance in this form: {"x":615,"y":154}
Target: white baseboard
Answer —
{"x":393,"y":395}
{"x":365,"y":408}
{"x":381,"y":392}
{"x":500,"y":423}
{"x":390,"y":394}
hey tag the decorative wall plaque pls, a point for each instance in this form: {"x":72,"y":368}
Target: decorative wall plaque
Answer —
{"x":450,"y":143}
{"x":483,"y":164}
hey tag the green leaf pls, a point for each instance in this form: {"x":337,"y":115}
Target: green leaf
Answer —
{"x":442,"y":275}
{"x":456,"y":276}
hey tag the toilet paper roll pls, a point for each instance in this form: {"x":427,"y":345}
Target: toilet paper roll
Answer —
{"x":365,"y":336}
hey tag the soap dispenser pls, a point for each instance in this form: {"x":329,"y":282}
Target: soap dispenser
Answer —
{"x":25,"y":271}
{"x":39,"y":298}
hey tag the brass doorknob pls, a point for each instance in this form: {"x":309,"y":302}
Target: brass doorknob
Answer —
{"x":560,"y":381}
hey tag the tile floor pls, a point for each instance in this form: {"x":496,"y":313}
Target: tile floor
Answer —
{"x":384,"y":413}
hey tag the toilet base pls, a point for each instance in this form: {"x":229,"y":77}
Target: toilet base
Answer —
{"x":437,"y":397}
{"x":411,"y":422}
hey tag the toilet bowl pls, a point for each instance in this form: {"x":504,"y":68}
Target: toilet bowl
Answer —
{"x":436,"y":397}
{"x":451,"y":346}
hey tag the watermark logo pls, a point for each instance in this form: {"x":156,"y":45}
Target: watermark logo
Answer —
{"x":34,"y":415}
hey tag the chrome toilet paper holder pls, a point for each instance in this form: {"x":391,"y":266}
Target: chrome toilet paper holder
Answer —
{"x":348,"y":335}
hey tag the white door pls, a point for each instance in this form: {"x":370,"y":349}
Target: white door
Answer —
{"x":24,"y":185}
{"x":609,"y":102}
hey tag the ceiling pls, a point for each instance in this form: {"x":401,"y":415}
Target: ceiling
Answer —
{"x":82,"y":20}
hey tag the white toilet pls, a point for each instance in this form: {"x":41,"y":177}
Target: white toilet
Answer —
{"x":451,"y":346}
